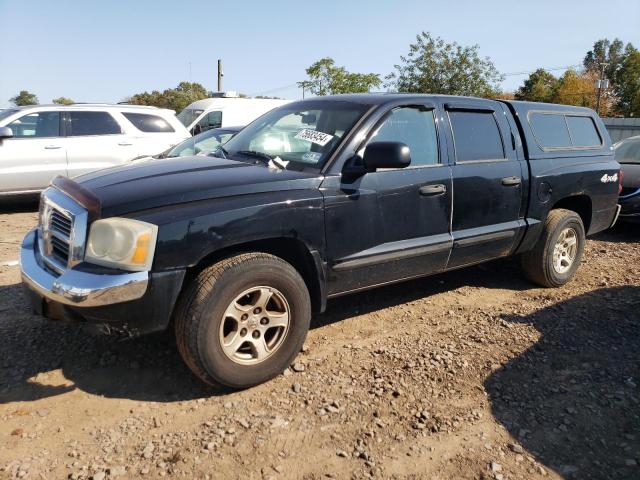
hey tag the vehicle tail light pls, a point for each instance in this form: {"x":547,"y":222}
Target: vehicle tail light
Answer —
{"x":620,"y":175}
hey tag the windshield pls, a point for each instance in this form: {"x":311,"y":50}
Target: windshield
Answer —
{"x":6,"y":113}
{"x":188,"y":115}
{"x":202,"y":144}
{"x":628,"y":151}
{"x":299,"y":135}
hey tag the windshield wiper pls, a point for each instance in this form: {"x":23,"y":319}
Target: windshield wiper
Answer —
{"x":259,"y":155}
{"x":268,"y":160}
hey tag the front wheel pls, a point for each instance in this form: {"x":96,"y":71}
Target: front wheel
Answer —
{"x":243,"y":320}
{"x":557,"y":255}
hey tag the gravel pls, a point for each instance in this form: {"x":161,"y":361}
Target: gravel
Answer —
{"x":470,"y":374}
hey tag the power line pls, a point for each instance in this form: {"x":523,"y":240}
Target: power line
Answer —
{"x":513,"y":74}
{"x":274,"y":90}
{"x":510,"y":74}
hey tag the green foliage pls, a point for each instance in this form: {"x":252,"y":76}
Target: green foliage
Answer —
{"x":327,"y":79}
{"x":621,"y":69}
{"x":434,"y":66}
{"x":612,"y":53}
{"x":24,"y":98}
{"x":539,"y":87}
{"x":174,"y":98}
{"x":63,"y":101}
{"x":628,"y":87}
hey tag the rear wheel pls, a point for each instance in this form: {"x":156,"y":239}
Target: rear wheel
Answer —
{"x":243,"y":320}
{"x":557,"y":255}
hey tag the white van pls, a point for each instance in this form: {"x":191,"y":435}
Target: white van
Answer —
{"x":226,"y":111}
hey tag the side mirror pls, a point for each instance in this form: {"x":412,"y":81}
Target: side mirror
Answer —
{"x":386,"y":155}
{"x":5,"y":132}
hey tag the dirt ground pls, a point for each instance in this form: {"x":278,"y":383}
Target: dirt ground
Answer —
{"x":471,"y":374}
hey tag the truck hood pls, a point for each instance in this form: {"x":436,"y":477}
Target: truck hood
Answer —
{"x":135,"y":187}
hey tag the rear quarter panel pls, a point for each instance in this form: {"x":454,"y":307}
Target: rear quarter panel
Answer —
{"x":557,"y":175}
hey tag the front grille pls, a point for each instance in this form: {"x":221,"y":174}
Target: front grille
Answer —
{"x":60,"y":250}
{"x":60,"y":223}
{"x":62,"y":231}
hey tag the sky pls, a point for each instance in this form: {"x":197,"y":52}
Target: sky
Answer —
{"x":106,"y":50}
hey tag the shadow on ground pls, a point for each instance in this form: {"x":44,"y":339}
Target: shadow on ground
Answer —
{"x":573,"y":399}
{"x":150,"y":368}
{"x":22,"y":204}
{"x":623,"y":232}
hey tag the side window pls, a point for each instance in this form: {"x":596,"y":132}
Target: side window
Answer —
{"x":91,"y":123}
{"x":148,"y":123}
{"x":550,"y":130}
{"x":211,"y":120}
{"x":476,"y":136}
{"x":35,"y":125}
{"x":583,"y":131}
{"x":414,"y":127}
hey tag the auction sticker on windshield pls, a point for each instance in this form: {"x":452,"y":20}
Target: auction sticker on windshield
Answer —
{"x":314,"y":136}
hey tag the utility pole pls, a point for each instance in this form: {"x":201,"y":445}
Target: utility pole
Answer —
{"x":220,"y":75}
{"x":601,"y":84}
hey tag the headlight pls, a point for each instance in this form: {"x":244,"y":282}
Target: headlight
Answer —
{"x":122,"y":243}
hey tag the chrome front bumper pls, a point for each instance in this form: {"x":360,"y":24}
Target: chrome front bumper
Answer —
{"x":74,"y":287}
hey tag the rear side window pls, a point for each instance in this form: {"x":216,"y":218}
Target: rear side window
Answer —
{"x":414,"y":127}
{"x":556,"y":130}
{"x":148,"y":123}
{"x":550,"y":130}
{"x":92,"y":123}
{"x":583,"y":131}
{"x":476,"y":136}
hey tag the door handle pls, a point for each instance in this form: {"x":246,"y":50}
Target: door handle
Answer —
{"x":511,"y":181}
{"x":125,"y":144}
{"x":52,"y":147}
{"x":432,"y":190}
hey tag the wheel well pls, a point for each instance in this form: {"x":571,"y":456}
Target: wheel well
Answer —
{"x":581,"y":204}
{"x":290,"y":250}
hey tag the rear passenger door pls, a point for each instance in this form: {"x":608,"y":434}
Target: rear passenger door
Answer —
{"x":95,"y":140}
{"x":487,"y":218}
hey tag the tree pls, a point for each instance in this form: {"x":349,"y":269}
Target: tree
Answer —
{"x":575,"y":89}
{"x":628,"y":87}
{"x":327,"y":79}
{"x":63,"y":101}
{"x":434,"y":66}
{"x":539,"y":87}
{"x":25,"y":98}
{"x":174,"y":98}
{"x":610,"y":58}
{"x":611,"y":53}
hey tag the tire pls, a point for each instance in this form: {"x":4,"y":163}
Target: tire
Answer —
{"x":539,"y":265}
{"x":203,"y":323}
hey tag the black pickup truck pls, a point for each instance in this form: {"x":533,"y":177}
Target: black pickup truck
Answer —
{"x":316,"y":199}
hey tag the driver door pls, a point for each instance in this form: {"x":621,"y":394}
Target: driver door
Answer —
{"x":391,"y":224}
